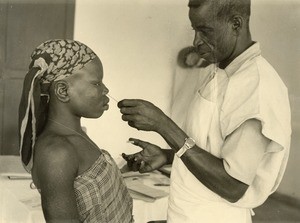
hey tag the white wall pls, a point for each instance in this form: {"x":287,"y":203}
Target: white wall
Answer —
{"x":138,"y":40}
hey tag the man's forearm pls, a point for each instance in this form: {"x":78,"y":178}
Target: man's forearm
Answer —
{"x":172,"y":134}
{"x":207,"y":168}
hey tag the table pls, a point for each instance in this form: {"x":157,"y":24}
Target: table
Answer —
{"x":147,"y":211}
{"x":21,"y":204}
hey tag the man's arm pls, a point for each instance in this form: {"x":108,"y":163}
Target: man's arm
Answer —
{"x":206,"y":167}
{"x":169,"y":153}
{"x":210,"y":170}
{"x":57,"y":167}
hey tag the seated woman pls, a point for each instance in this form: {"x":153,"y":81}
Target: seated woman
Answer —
{"x":78,"y":181}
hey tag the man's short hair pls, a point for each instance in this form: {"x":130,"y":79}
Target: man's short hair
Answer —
{"x":229,"y":8}
{"x":226,"y":9}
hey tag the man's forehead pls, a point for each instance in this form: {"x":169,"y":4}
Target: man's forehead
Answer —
{"x":197,"y":3}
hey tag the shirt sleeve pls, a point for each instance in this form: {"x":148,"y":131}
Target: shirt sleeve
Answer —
{"x":243,"y":151}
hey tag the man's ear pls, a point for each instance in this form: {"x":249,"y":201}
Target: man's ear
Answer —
{"x":237,"y":24}
{"x":61,"y":90}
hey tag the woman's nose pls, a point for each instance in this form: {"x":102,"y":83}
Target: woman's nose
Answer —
{"x":106,"y":90}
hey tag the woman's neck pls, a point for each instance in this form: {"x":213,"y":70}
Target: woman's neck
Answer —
{"x":64,"y":121}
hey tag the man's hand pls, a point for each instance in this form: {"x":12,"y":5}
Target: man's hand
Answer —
{"x":142,"y":115}
{"x":150,"y":158}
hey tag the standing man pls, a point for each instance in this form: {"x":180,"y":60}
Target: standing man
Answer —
{"x":229,"y":131}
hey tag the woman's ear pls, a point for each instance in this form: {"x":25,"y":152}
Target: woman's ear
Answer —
{"x":61,"y":90}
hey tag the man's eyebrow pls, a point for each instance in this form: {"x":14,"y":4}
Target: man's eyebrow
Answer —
{"x":201,"y":27}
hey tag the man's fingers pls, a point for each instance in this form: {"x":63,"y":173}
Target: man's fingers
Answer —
{"x":136,"y":166}
{"x":138,"y":157}
{"x":133,"y":160}
{"x":128,"y":157}
{"x":129,"y":103}
{"x":129,"y":110}
{"x":144,"y":168}
{"x":128,"y":118}
{"x":140,"y":143}
{"x":133,"y":157}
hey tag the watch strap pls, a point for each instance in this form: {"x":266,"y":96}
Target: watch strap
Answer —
{"x":188,"y":143}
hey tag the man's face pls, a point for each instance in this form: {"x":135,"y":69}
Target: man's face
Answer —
{"x":214,"y":38}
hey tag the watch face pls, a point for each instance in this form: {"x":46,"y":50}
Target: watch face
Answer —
{"x":190,"y":142}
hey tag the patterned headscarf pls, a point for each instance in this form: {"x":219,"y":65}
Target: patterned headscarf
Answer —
{"x":51,"y":61}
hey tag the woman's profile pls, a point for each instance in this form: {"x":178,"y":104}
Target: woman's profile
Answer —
{"x":78,"y":181}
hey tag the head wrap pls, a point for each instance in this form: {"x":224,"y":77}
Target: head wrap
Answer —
{"x":51,"y":61}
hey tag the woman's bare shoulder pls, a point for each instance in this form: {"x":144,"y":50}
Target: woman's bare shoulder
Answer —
{"x":49,"y":144}
{"x":55,"y":152}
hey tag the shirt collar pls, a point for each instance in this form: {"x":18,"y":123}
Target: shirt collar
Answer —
{"x":250,"y":53}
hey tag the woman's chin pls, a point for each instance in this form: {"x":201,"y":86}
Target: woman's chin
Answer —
{"x":99,"y":113}
{"x":96,"y":115}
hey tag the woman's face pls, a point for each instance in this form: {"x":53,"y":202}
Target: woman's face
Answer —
{"x":87,"y":92}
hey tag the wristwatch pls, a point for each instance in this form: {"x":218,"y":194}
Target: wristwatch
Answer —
{"x":189,"y":143}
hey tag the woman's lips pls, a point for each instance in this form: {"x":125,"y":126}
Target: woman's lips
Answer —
{"x":106,"y":105}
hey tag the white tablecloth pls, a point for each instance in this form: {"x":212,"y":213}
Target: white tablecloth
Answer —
{"x":21,"y":204}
